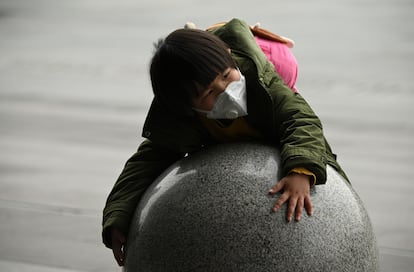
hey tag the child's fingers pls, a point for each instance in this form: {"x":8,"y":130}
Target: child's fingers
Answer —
{"x":118,"y":254}
{"x":308,"y":205}
{"x":277,"y":187}
{"x":282,"y":199}
{"x":299,"y":208}
{"x":118,"y":242}
{"x":292,"y":206}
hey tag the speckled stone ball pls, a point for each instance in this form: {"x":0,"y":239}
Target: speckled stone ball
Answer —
{"x":211,"y":212}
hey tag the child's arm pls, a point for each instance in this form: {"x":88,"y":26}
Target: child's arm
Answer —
{"x":138,"y":174}
{"x":303,"y":147}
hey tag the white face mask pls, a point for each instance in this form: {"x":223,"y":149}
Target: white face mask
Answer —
{"x":231,"y":103}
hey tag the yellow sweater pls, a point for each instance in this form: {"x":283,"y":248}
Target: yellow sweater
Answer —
{"x":232,"y":130}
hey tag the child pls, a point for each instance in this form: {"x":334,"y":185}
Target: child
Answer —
{"x":213,"y":87}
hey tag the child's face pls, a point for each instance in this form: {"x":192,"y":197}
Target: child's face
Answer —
{"x":207,"y":98}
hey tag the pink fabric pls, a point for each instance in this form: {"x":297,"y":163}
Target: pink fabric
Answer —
{"x":282,"y":58}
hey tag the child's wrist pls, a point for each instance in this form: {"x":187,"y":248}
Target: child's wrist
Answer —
{"x":306,"y":172}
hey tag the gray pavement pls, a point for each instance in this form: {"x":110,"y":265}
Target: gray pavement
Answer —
{"x":74,"y":91}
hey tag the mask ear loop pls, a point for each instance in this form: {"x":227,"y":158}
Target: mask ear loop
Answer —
{"x":200,"y":110}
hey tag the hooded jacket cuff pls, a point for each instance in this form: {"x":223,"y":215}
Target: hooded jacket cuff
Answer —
{"x":309,"y":160}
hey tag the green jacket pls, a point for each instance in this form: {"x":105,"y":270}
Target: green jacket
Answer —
{"x":283,"y":117}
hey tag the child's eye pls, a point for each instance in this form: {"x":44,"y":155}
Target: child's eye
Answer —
{"x":207,"y":93}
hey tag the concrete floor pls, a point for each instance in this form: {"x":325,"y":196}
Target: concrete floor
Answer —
{"x":74,"y":91}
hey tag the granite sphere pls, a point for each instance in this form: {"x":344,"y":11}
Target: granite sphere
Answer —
{"x":211,"y":212}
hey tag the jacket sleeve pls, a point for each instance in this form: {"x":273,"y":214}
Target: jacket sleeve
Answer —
{"x":302,"y":142}
{"x":294,"y":127}
{"x":138,"y":174}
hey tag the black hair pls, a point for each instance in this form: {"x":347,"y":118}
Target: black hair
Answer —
{"x":184,"y":64}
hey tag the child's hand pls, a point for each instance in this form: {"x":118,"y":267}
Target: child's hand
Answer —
{"x":118,"y":243}
{"x":296,"y":189}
